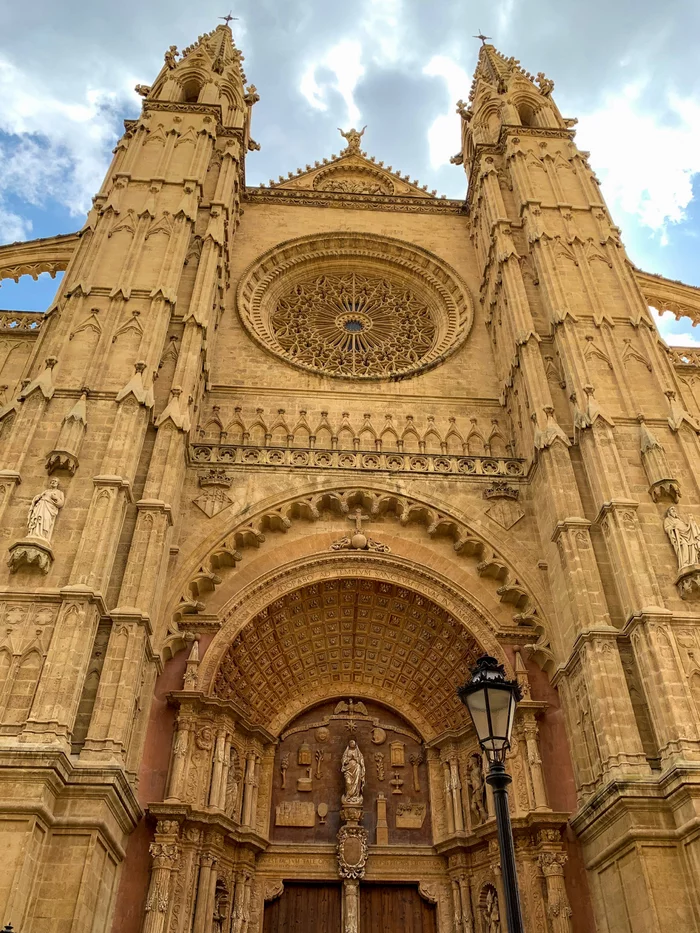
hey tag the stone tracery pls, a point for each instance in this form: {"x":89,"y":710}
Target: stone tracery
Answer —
{"x":396,"y":286}
{"x":354,"y":325}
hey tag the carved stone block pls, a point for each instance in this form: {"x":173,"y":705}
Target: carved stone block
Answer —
{"x":410,"y":815}
{"x":295,"y":813}
{"x":28,"y":552}
{"x":688,"y":583}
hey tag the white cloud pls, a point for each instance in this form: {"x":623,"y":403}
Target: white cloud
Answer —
{"x":651,"y":179}
{"x":443,"y":135}
{"x":382,"y":24}
{"x":344,"y":60}
{"x":56,"y":147}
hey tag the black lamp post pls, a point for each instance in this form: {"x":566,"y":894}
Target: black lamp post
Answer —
{"x":491,"y":701}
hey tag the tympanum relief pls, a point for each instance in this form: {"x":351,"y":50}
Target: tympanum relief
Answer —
{"x":364,"y":751}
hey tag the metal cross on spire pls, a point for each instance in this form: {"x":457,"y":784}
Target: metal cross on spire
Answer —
{"x":482,"y":37}
{"x":227,"y":19}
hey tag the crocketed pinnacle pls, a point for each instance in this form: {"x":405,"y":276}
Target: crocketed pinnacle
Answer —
{"x":497,"y":70}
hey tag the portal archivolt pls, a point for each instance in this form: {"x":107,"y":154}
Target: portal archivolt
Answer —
{"x":491,"y":564}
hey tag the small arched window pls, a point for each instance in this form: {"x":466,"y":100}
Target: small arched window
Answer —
{"x":526,"y":114}
{"x":191,"y":92}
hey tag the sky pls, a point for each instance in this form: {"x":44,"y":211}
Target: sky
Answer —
{"x":626,"y":69}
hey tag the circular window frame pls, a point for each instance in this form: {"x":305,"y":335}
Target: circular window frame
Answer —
{"x":432,"y":280}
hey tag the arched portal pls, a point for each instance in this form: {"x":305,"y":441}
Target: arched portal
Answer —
{"x":320,"y":756}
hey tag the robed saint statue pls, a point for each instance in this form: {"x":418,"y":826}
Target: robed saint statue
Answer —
{"x":352,"y":767}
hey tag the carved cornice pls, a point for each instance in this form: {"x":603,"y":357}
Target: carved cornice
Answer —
{"x":169,"y":105}
{"x":397,"y":203}
{"x":210,"y":821}
{"x":296,"y":458}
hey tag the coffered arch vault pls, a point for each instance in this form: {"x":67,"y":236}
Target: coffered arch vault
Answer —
{"x":347,"y":624}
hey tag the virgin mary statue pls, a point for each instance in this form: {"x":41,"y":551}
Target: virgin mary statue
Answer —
{"x":352,"y":767}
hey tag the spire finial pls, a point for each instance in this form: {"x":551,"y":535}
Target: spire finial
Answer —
{"x":227,"y":19}
{"x":482,"y":37}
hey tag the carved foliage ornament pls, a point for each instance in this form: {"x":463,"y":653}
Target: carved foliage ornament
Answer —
{"x":355,"y":306}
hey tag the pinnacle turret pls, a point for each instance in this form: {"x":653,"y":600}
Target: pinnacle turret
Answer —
{"x":503,"y":94}
{"x":209,"y":71}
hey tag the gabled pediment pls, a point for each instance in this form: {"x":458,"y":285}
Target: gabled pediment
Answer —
{"x":352,"y":172}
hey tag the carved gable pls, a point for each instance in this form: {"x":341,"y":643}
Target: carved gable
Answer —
{"x":353,"y":173}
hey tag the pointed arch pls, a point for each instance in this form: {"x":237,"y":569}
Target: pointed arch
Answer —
{"x":516,"y":587}
{"x":23,"y":688}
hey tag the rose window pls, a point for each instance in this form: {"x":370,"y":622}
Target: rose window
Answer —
{"x":354,"y":306}
{"x":353,"y":325}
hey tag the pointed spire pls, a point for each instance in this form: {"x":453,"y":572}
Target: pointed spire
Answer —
{"x":647,"y":440}
{"x":177,"y":411}
{"x":494,"y":68}
{"x":552,"y":430}
{"x":678,"y":414}
{"x":593,"y":409}
{"x":209,"y":71}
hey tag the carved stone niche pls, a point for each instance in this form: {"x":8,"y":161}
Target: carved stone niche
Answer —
{"x":65,"y":454}
{"x":30,"y":552}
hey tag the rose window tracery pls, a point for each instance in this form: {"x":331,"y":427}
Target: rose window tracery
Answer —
{"x":355,"y":306}
{"x":354,"y":325}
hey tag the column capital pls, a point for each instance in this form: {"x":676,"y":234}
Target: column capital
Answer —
{"x":552,"y":863}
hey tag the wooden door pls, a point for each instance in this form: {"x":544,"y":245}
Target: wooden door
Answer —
{"x":395,"y":908}
{"x":305,"y":908}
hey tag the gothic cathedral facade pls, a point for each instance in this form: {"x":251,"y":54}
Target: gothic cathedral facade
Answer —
{"x":276,"y":466}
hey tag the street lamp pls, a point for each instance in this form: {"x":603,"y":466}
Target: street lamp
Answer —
{"x":491,"y":701}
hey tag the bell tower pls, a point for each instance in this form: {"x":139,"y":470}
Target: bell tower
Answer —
{"x":581,"y":367}
{"x":115,"y":376}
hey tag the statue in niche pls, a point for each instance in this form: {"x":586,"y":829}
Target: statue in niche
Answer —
{"x":232,"y":780}
{"x":492,"y":914}
{"x":477,"y":788}
{"x":220,"y":909}
{"x":684,"y":536}
{"x":44,"y":510}
{"x":352,"y":767}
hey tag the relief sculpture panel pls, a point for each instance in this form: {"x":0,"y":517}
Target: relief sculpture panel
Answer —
{"x":307,"y":800}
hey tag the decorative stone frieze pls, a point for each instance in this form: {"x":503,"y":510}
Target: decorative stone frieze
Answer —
{"x":393,"y":462}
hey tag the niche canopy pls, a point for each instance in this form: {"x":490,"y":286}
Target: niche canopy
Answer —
{"x":355,"y":306}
